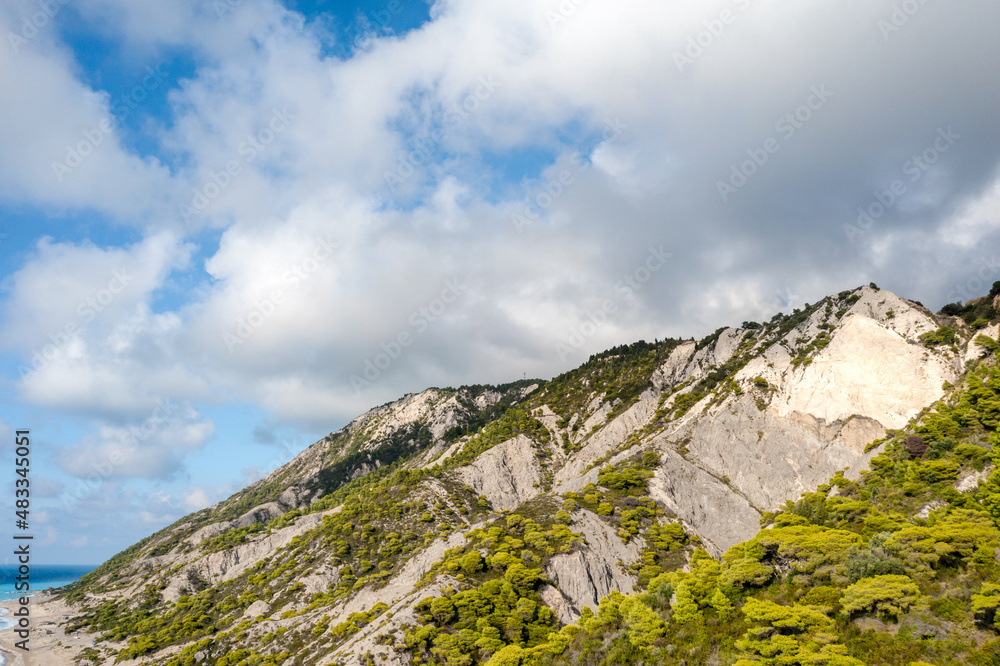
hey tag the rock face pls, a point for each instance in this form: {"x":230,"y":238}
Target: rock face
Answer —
{"x":508,"y":474}
{"x":582,"y":577}
{"x":870,"y":370}
{"x":754,"y":451}
{"x":740,"y":423}
{"x":713,"y":510}
{"x":218,"y":567}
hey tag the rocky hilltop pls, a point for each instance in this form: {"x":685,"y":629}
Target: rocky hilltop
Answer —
{"x":373,"y":545}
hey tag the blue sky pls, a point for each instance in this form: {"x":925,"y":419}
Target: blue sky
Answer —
{"x":215,"y":216}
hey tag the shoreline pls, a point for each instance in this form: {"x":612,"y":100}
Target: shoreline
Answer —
{"x":50,"y":645}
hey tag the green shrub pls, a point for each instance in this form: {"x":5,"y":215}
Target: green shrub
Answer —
{"x":943,"y":336}
{"x":888,"y":595}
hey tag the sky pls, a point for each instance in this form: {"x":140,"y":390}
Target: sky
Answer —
{"x":227,"y":227}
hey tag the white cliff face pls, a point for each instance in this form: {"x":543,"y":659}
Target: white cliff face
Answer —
{"x":703,"y":503}
{"x":218,"y":567}
{"x":676,"y":368}
{"x":570,"y":476}
{"x":772,"y":444}
{"x":869,"y":370}
{"x":750,"y":453}
{"x":438,"y":411}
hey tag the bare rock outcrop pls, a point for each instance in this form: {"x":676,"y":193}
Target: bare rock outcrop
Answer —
{"x":581,"y":578}
{"x":720,"y":516}
{"x":868,"y":370}
{"x":508,"y":474}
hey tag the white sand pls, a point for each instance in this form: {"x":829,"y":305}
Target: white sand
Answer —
{"x":50,"y":645}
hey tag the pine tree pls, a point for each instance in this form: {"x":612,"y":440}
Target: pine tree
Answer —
{"x":721,"y":604}
{"x":684,"y":605}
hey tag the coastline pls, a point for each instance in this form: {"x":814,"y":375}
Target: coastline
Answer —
{"x":50,"y":645}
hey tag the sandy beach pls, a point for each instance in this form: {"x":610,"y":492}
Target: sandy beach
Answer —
{"x":50,"y":646}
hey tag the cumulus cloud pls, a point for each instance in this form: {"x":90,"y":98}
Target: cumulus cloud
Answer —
{"x":151,"y":449}
{"x":196,"y":498}
{"x":62,"y":147}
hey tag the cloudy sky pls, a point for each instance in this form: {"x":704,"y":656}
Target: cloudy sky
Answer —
{"x":229,"y":226}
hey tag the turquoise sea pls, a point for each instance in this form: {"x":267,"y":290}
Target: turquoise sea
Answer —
{"x":42,"y":576}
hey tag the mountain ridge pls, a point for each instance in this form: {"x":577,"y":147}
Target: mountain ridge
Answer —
{"x":735,"y":425}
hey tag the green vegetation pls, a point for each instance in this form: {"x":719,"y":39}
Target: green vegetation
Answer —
{"x":500,"y":606}
{"x":619,"y":375}
{"x":978,"y":312}
{"x":510,"y":394}
{"x":515,"y":421}
{"x":942,"y":336}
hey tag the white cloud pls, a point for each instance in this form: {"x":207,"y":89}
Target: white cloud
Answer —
{"x":196,"y":498}
{"x":150,"y":449}
{"x":62,"y":148}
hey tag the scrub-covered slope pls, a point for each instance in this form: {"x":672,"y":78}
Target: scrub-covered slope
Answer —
{"x":462,"y":525}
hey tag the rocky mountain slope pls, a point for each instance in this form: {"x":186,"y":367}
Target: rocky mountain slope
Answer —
{"x":457,"y":525}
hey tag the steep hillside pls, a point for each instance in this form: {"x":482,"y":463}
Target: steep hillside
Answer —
{"x":463,"y":525}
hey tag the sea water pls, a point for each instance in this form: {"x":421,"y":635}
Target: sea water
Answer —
{"x":42,"y":576}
